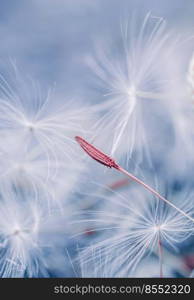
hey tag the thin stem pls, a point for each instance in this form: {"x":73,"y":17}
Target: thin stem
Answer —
{"x":154,"y":192}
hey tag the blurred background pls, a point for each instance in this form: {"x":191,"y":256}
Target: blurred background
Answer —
{"x":50,"y":40}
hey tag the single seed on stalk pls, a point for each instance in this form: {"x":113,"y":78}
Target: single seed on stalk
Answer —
{"x":106,"y":160}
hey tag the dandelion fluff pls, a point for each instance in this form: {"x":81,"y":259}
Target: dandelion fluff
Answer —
{"x":134,"y":80}
{"x":131,"y":228}
{"x":30,"y":235}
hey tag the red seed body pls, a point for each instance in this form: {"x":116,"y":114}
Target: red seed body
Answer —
{"x":96,"y":154}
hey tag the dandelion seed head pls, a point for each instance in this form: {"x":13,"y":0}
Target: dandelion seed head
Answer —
{"x":137,"y":224}
{"x":28,"y":231}
{"x":31,"y":126}
{"x":139,"y":77}
{"x":37,"y":119}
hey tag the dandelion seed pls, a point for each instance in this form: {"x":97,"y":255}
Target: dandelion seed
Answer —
{"x":39,"y":119}
{"x":96,"y":154}
{"x":140,"y":227}
{"x":26,"y":167}
{"x":20,"y":251}
{"x":30,"y":235}
{"x":143,"y":72}
{"x":109,"y":162}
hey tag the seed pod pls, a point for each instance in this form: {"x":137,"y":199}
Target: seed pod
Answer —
{"x":96,"y":154}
